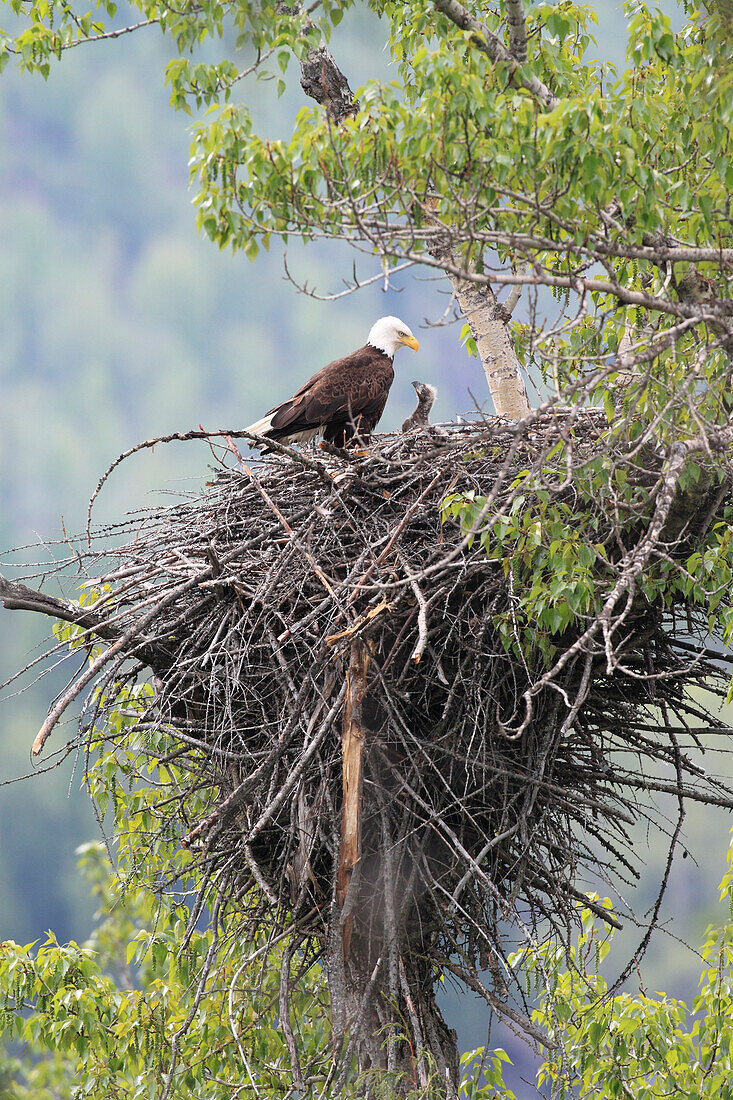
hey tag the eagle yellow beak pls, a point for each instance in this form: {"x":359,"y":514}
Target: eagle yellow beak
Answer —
{"x":411,"y":342}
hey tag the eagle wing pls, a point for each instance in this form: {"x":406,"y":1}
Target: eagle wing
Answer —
{"x":354,"y":388}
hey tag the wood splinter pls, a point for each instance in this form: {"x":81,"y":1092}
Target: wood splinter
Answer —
{"x":352,"y":748}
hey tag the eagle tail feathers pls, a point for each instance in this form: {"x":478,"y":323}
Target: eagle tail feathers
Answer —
{"x":261,"y":427}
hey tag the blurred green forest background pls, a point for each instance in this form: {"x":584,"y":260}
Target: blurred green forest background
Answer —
{"x":118,"y":323}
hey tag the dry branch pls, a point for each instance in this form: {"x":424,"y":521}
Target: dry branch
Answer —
{"x":322,"y":80}
{"x":352,"y":749}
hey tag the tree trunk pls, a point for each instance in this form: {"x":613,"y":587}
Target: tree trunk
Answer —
{"x":381,"y":983}
{"x":403,"y":1033}
{"x":383,"y":1008}
{"x":489,"y":323}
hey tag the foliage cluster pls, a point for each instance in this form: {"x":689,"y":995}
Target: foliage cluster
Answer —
{"x":133,"y":1013}
{"x":554,"y":551}
{"x":640,"y":1045}
{"x":453,"y":112}
{"x":653,"y":138}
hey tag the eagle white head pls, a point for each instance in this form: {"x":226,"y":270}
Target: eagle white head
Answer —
{"x":389,"y":333}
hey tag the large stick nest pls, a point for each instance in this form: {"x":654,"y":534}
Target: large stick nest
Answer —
{"x":491,"y":786}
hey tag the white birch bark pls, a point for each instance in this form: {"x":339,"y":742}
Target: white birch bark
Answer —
{"x":489,"y":323}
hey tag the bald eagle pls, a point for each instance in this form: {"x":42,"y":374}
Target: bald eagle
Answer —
{"x":347,"y":397}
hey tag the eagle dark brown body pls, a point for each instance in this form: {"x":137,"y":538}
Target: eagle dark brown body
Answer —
{"x":344,"y":399}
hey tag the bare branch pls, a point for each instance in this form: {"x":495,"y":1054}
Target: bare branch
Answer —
{"x":103,"y":36}
{"x":18,"y":597}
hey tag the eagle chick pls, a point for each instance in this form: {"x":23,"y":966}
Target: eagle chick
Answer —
{"x":419,"y":419}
